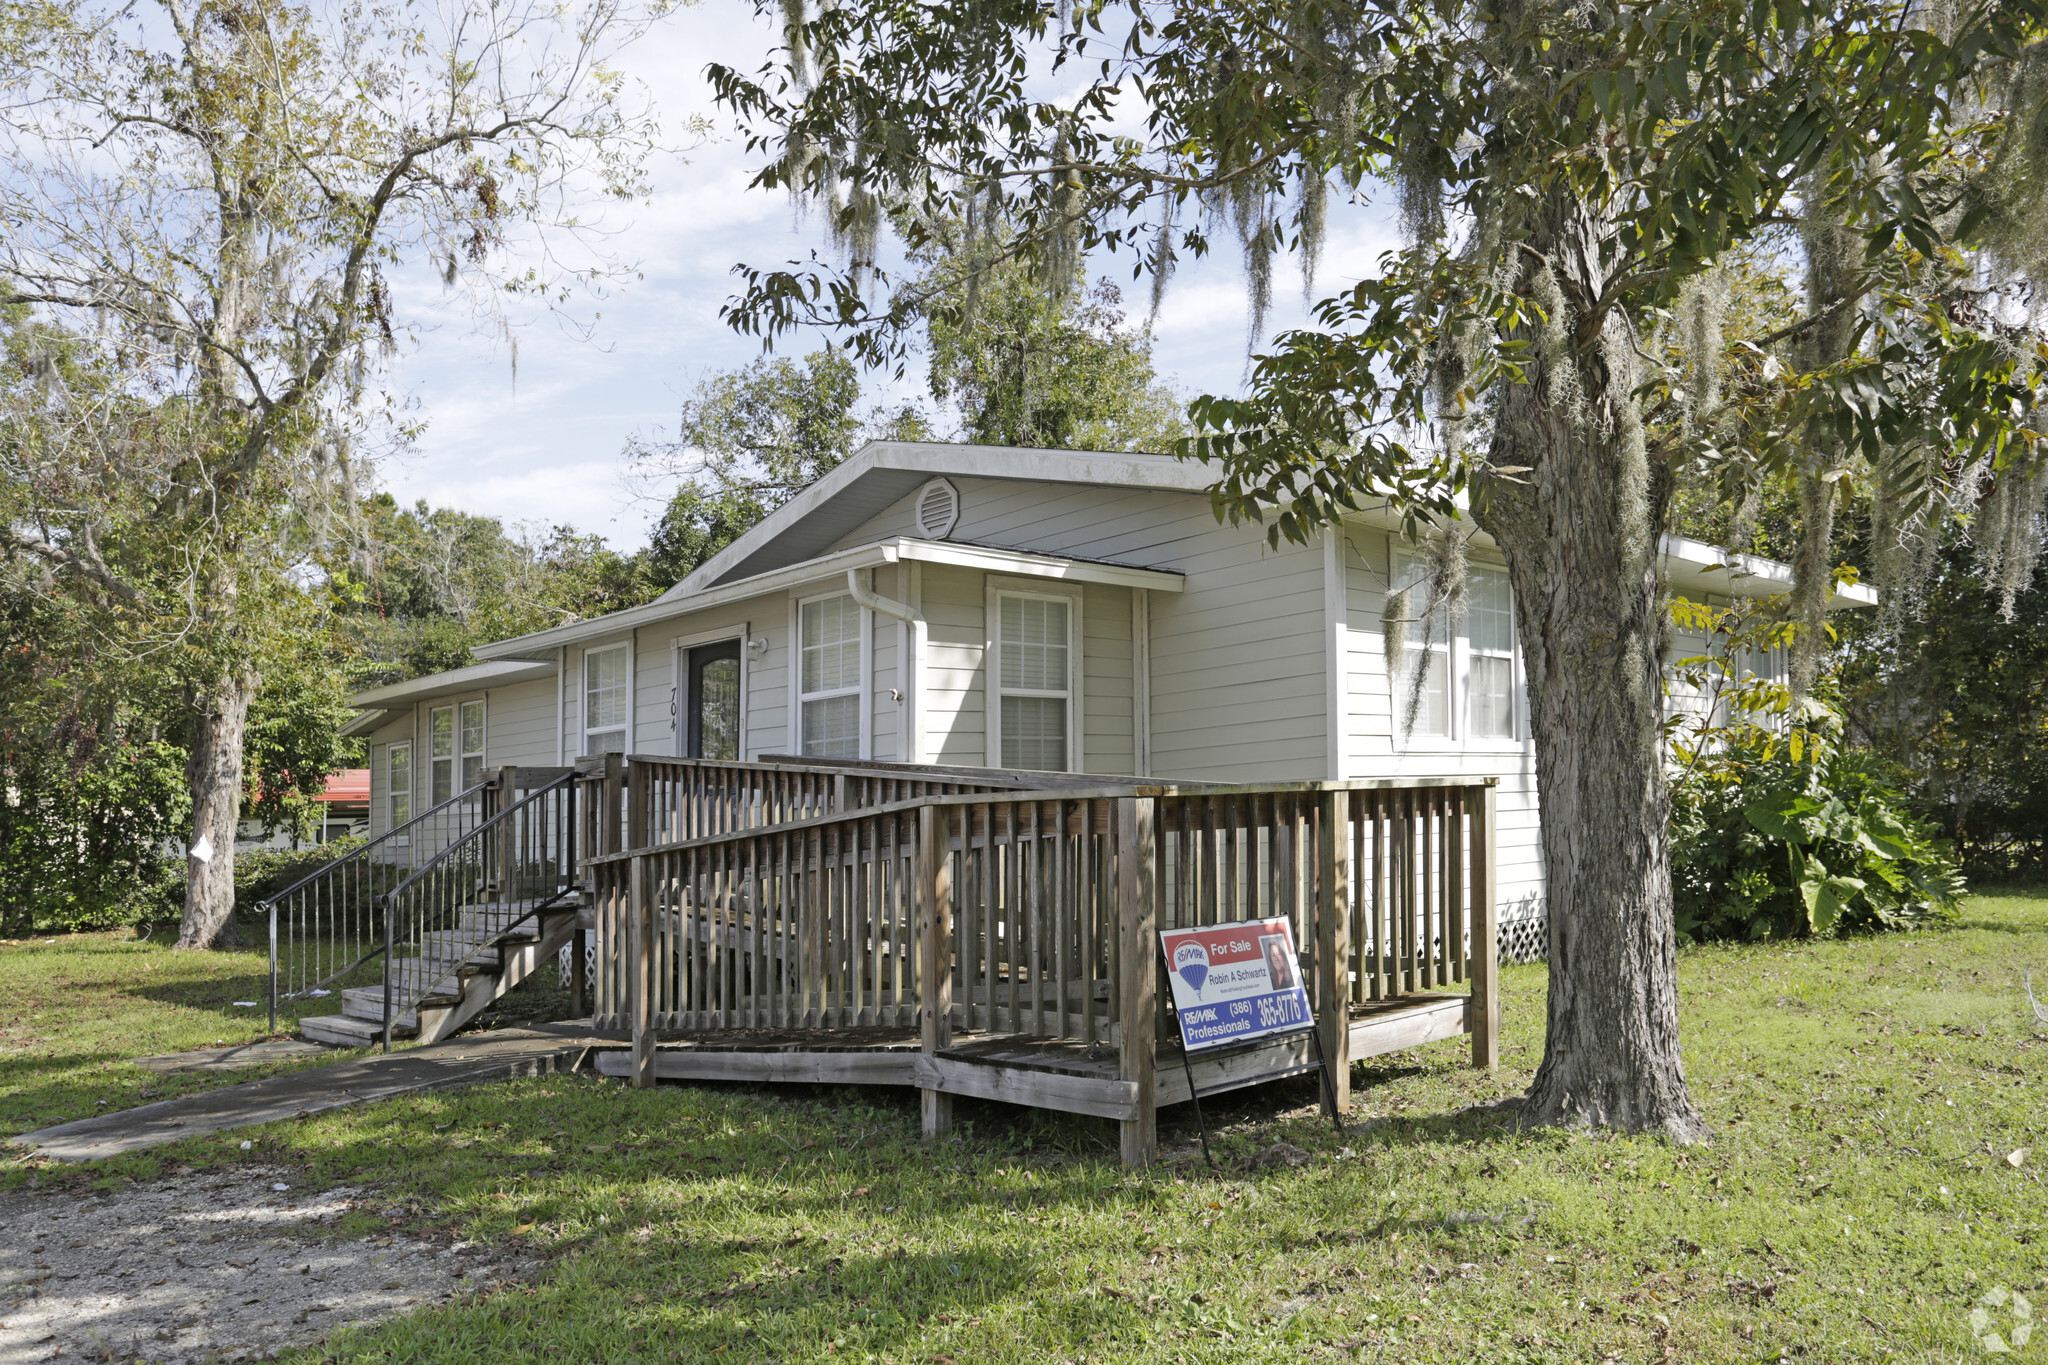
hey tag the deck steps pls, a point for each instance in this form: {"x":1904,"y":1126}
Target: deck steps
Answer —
{"x":459,"y":972}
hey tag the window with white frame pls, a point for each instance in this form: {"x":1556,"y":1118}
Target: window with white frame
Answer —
{"x":398,"y":782}
{"x":829,"y":640}
{"x":454,"y":749}
{"x":1428,"y":653}
{"x":607,"y":698}
{"x":1034,"y":677}
{"x":472,"y":738}
{"x":1468,"y":685}
{"x":1490,"y":636}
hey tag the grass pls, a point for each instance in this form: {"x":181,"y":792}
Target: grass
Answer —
{"x":1858,"y":1200}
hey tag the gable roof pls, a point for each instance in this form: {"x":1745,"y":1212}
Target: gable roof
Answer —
{"x":881,"y":473}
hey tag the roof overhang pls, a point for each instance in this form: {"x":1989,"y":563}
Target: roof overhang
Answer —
{"x":1691,"y":567}
{"x":1695,"y":566}
{"x":474,"y":678}
{"x":987,"y":559}
{"x":363,"y":722}
{"x":882,"y":473}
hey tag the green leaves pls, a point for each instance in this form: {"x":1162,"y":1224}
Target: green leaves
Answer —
{"x":1826,"y":896}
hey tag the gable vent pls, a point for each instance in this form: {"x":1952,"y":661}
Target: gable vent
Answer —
{"x":938,"y":509}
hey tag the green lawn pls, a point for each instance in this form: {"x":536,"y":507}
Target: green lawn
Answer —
{"x":1858,"y":1201}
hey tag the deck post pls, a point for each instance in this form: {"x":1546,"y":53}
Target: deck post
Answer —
{"x":608,"y":803}
{"x":1333,"y":941}
{"x":507,"y":892}
{"x":1137,"y":918}
{"x":638,"y":833}
{"x":640,"y":972}
{"x":935,"y":956}
{"x":579,"y":959}
{"x":1484,"y":1017}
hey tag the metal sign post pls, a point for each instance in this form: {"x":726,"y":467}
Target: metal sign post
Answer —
{"x":1240,"y":983}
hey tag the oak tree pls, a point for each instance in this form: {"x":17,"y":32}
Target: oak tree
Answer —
{"x":211,"y":206}
{"x":1544,"y":355}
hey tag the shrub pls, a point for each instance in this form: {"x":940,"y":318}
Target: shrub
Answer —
{"x":1770,"y":840}
{"x":1777,"y":831}
{"x":88,"y":844}
{"x":265,"y":872}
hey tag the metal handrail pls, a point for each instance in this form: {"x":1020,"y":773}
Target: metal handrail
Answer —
{"x":328,"y":869}
{"x":392,"y":833}
{"x":536,"y":794}
{"x":386,"y":901}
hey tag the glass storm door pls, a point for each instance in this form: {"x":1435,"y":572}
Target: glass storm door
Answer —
{"x":711,"y":701}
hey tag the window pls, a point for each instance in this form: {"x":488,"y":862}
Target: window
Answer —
{"x":472,"y":744}
{"x":1490,"y":631}
{"x":1468,"y":688}
{"x":440,"y":754}
{"x":1429,"y":649}
{"x":829,"y":631}
{"x":606,"y":697}
{"x":1034,"y":675}
{"x":454,"y":750}
{"x":398,"y":782}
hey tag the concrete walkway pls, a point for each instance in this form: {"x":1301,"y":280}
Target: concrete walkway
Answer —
{"x":501,"y":1054}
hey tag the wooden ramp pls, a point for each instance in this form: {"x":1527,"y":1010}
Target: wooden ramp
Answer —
{"x":998,"y":937}
{"x":1059,"y":1074}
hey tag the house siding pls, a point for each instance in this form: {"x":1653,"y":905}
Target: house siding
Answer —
{"x":1371,"y":748}
{"x":954,"y":699}
{"x":1237,"y":662}
{"x":1106,"y":676}
{"x":519,"y":724}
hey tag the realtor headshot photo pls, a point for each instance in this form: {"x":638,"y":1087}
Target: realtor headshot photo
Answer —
{"x":1279,"y":962}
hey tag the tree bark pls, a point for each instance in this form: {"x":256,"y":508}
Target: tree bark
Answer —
{"x":220,"y":722}
{"x":1581,"y":541}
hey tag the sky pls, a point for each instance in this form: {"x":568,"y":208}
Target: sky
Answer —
{"x":542,"y":441}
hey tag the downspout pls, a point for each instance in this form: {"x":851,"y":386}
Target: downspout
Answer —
{"x":910,"y":727}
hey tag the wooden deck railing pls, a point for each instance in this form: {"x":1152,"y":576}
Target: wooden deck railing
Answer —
{"x":632,"y":802}
{"x":1036,"y":914}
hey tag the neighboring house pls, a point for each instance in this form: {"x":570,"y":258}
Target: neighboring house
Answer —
{"x":344,"y":811}
{"x":1018,"y":608}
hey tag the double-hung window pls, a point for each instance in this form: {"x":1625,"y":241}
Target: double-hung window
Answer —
{"x":1425,"y":681}
{"x":607,"y":697}
{"x":472,"y":739}
{"x":440,"y":754}
{"x":1490,"y":635}
{"x":1460,"y":681}
{"x":398,"y":782}
{"x":829,"y":636}
{"x":455,"y":749}
{"x":1034,"y":674}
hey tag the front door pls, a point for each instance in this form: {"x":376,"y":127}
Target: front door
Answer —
{"x":711,"y":701}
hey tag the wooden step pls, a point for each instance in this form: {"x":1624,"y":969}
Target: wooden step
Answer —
{"x":343,"y":1030}
{"x":367,"y":1002}
{"x":453,"y":946}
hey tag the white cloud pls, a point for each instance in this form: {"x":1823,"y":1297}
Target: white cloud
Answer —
{"x":547,"y":447}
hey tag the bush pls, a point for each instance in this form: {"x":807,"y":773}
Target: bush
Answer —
{"x":1770,"y":840}
{"x":265,"y":872}
{"x":90,"y":844}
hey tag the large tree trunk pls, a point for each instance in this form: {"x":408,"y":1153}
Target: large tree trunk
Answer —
{"x":220,"y":723}
{"x":1581,"y":540}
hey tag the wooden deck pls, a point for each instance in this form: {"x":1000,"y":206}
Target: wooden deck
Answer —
{"x":1077,"y":1078}
{"x":996,"y":935}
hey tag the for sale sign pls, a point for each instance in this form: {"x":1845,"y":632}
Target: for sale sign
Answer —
{"x":1235,"y":982}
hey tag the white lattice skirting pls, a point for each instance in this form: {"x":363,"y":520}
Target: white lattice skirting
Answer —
{"x":589,"y":963}
{"x":1525,"y":938}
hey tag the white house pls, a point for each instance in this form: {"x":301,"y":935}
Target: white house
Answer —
{"x":1040,"y":609}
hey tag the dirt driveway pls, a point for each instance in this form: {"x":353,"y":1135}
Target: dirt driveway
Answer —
{"x":221,"y":1266}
